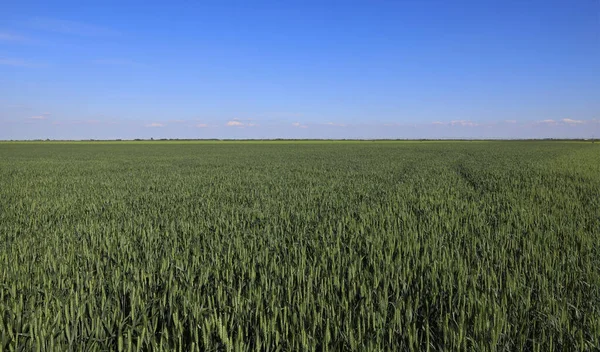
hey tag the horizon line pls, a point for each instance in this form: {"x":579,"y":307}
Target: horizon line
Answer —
{"x":294,"y":139}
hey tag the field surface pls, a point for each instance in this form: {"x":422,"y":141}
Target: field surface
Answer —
{"x":300,"y":246}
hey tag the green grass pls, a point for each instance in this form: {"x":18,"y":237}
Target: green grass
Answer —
{"x":361,"y":246}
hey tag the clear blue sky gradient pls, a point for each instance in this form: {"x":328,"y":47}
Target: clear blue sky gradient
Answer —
{"x":299,"y":69}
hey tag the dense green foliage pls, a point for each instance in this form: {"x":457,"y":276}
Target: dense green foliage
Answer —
{"x":361,"y":246}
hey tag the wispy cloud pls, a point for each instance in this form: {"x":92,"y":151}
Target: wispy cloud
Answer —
{"x":239,"y":123}
{"x":9,"y":37}
{"x":19,"y":63}
{"x":117,"y":62}
{"x":463,"y":123}
{"x":399,"y":124}
{"x":336,"y":124}
{"x":70,"y":27}
{"x":299,"y":125}
{"x":156,"y":124}
{"x":284,"y":115}
{"x":16,"y":106}
{"x":85,"y":122}
{"x":202,"y":125}
{"x":562,"y":122}
{"x":43,"y":116}
{"x":545,"y":122}
{"x":573,"y":122}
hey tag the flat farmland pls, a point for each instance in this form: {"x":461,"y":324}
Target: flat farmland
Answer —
{"x":300,"y":246}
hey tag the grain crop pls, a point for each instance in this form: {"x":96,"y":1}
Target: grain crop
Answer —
{"x":300,"y":246}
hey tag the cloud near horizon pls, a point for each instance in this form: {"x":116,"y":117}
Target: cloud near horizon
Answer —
{"x":85,"y":122}
{"x":573,"y":122}
{"x":461,"y":123}
{"x":117,"y":62}
{"x":99,"y":128}
{"x":19,"y":63}
{"x":239,"y":123}
{"x":70,"y":27}
{"x":563,"y":122}
{"x":43,"y":116}
{"x":9,"y":37}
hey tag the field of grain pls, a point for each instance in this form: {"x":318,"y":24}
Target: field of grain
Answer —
{"x":300,"y":246}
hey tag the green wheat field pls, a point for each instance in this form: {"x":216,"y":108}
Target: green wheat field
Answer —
{"x":300,"y":246}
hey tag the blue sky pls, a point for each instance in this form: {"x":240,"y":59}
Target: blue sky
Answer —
{"x":299,"y":69}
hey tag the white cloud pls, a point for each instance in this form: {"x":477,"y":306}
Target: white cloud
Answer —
{"x":573,"y":122}
{"x":336,"y":124}
{"x":202,"y":125}
{"x":156,"y":124}
{"x":510,"y":121}
{"x":43,"y":116}
{"x":299,"y":125}
{"x":117,"y":62}
{"x":547,"y":122}
{"x":463,"y":123}
{"x":561,"y":122}
{"x":239,"y":123}
{"x":18,"y":63}
{"x":70,"y":27}
{"x":8,"y":37}
{"x":86,"y":122}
